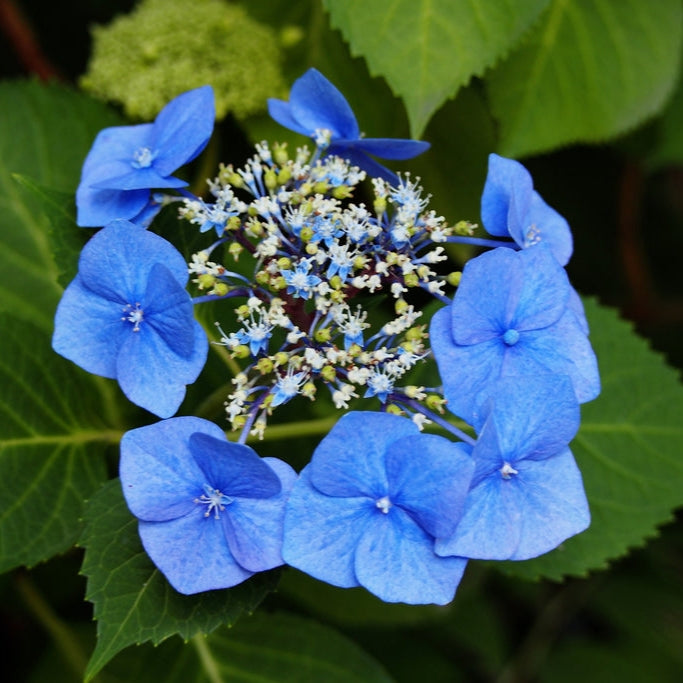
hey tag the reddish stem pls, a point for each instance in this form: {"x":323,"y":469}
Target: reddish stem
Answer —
{"x":16,"y":27}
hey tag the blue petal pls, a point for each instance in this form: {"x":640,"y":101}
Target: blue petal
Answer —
{"x":139,"y":179}
{"x":429,"y":477}
{"x":465,"y":370}
{"x":503,"y":289}
{"x":389,"y":148}
{"x":322,"y":532}
{"x":255,"y":532}
{"x":168,"y":309}
{"x":550,"y":228}
{"x":96,"y":208}
{"x":113,"y":154}
{"x":563,"y":349}
{"x":316,"y":103}
{"x":159,"y":477}
{"x":191,"y":552}
{"x":350,"y":460}
{"x":524,"y":516}
{"x":281,"y":112}
{"x":89,"y":330}
{"x":576,"y":306}
{"x":183,"y":128}
{"x":531,"y":417}
{"x":396,"y":561}
{"x":506,"y":178}
{"x":116,"y":263}
{"x":148,"y":213}
{"x":544,"y":292}
{"x":233,"y":468}
{"x":486,"y":300}
{"x":154,"y":377}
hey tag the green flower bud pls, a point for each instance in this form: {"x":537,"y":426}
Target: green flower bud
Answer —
{"x":241,"y":351}
{"x":454,"y":278}
{"x":322,"y":334}
{"x":280,"y":154}
{"x":328,"y":373}
{"x":206,"y":281}
{"x":221,"y":289}
{"x":281,"y":358}
{"x":265,"y":366}
{"x":435,"y":402}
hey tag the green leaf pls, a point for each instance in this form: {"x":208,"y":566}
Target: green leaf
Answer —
{"x":54,"y":429}
{"x":264,"y":648}
{"x":594,"y":69}
{"x":282,"y":647}
{"x":628,"y":449}
{"x":45,"y":134}
{"x":65,"y":239}
{"x":427,"y":49}
{"x":133,"y":601}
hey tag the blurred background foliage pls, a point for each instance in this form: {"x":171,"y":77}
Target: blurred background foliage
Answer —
{"x":598,"y":120}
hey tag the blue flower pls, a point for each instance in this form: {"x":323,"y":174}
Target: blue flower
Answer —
{"x":527,"y":495}
{"x":367,"y":508}
{"x":318,"y":110}
{"x":210,"y":512}
{"x":511,"y":207}
{"x":126,"y":162}
{"x":299,"y":283}
{"x":287,"y":387}
{"x":513,"y":313}
{"x":127,"y":316}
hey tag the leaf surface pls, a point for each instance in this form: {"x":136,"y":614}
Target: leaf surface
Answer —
{"x":55,"y":426}
{"x":427,"y":49}
{"x":594,"y":69}
{"x":45,"y":134}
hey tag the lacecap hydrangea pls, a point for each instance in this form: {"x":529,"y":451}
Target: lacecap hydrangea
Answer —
{"x":318,"y":262}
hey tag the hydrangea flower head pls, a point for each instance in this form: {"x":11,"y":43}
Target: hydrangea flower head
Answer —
{"x":210,"y":511}
{"x":127,"y":316}
{"x":126,"y":162}
{"x":366,"y":510}
{"x":318,"y":110}
{"x":512,"y":314}
{"x":510,"y":207}
{"x":527,"y":495}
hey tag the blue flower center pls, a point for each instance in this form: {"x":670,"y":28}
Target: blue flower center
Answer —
{"x":133,"y":314}
{"x":507,"y":470}
{"x":143,"y":157}
{"x":511,"y":337}
{"x":214,"y":500}
{"x":383,"y":504}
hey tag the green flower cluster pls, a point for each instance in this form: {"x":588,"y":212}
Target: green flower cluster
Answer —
{"x":165,"y":47}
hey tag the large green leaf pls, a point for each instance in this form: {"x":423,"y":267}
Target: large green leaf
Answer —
{"x":64,"y":238}
{"x":45,"y":134}
{"x":278,"y":647}
{"x":592,"y":70}
{"x":54,"y":427}
{"x":427,"y":49}
{"x":268,"y":648}
{"x":133,"y":601}
{"x":629,"y":449}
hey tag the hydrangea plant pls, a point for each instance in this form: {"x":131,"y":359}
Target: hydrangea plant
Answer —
{"x":301,"y":250}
